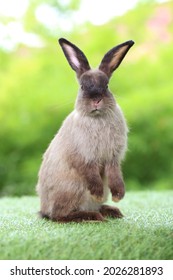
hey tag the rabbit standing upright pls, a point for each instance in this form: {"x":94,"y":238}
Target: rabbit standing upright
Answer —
{"x":82,"y":163}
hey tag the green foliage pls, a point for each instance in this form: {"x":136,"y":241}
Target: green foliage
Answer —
{"x":38,"y":90}
{"x":144,"y":233}
{"x":30,"y":116}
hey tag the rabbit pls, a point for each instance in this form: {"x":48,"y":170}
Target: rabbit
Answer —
{"x":82,"y":164}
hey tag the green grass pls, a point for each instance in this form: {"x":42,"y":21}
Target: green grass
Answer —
{"x":146,"y":231}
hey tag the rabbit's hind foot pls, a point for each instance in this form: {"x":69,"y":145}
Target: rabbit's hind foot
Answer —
{"x":110,"y":211}
{"x":82,"y":216}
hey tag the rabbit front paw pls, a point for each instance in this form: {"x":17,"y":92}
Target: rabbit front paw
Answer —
{"x":118,"y":190}
{"x":97,"y":198}
{"x":97,"y":194}
{"x":96,"y":191}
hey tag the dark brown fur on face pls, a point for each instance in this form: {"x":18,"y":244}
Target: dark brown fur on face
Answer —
{"x":94,"y":85}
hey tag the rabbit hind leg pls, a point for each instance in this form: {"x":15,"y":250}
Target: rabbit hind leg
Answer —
{"x":81,"y":216}
{"x":110,"y":211}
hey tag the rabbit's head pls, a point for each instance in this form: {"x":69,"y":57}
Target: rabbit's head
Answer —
{"x":94,"y":97}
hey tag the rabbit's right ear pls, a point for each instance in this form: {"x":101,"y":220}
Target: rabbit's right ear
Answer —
{"x":114,"y":57}
{"x":75,"y":57}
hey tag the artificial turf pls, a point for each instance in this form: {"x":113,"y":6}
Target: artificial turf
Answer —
{"x":146,"y":231}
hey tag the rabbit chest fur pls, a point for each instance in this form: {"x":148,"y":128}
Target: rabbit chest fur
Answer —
{"x":99,"y":139}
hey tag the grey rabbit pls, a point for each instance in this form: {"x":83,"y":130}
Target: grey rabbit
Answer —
{"x":82,"y":164}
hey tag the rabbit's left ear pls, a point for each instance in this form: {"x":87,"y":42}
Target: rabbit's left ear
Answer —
{"x":75,"y":57}
{"x":113,"y":58}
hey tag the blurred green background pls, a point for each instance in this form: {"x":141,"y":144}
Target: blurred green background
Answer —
{"x":38,"y":88}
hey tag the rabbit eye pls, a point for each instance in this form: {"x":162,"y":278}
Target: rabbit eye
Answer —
{"x":82,"y":87}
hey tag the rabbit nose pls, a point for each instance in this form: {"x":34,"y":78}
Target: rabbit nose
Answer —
{"x":97,"y":101}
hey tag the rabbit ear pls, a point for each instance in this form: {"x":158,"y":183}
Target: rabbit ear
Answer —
{"x":113,"y":58}
{"x":75,"y":57}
